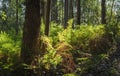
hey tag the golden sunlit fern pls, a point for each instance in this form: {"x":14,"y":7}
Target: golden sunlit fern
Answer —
{"x":63,"y":49}
{"x":67,"y":64}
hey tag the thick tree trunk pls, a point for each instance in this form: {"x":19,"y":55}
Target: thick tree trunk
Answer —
{"x":31,"y":31}
{"x":47,"y":22}
{"x":103,"y":11}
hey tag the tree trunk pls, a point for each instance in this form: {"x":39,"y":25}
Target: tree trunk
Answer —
{"x":78,"y":12}
{"x":54,"y":11}
{"x":42,"y":10}
{"x":111,"y":12}
{"x":65,"y":13}
{"x":17,"y":24}
{"x":103,"y":11}
{"x":62,"y":19}
{"x":47,"y":22}
{"x":31,"y":31}
{"x":70,"y":9}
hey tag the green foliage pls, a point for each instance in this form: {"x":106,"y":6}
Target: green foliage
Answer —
{"x":86,"y":45}
{"x":83,"y":59}
{"x":72,"y":74}
{"x":84,"y":34}
{"x":65,"y":35}
{"x":50,"y":59}
{"x":4,"y":16}
{"x":112,"y":30}
{"x":9,"y":50}
{"x":99,"y":45}
{"x":89,"y":46}
{"x":55,"y":29}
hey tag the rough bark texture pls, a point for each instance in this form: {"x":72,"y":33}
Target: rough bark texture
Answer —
{"x":31,"y":30}
{"x":47,"y":26}
{"x":103,"y":12}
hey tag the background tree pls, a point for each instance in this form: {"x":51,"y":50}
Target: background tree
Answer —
{"x":42,"y":9}
{"x":47,"y":22}
{"x":12,"y":9}
{"x":78,"y":12}
{"x":54,"y":11}
{"x":17,"y":23}
{"x":103,"y":11}
{"x":86,"y":44}
{"x":70,"y":11}
{"x":65,"y":13}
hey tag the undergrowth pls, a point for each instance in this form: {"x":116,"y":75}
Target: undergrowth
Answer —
{"x":67,"y":51}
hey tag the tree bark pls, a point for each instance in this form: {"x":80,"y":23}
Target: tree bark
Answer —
{"x":54,"y":11}
{"x":70,"y":9}
{"x":65,"y":13}
{"x":103,"y":11}
{"x":42,"y":10}
{"x":111,"y":12}
{"x":78,"y":12}
{"x":31,"y":31}
{"x":47,"y":24}
{"x":17,"y":24}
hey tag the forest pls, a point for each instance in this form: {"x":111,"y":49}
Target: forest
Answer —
{"x":59,"y":38}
